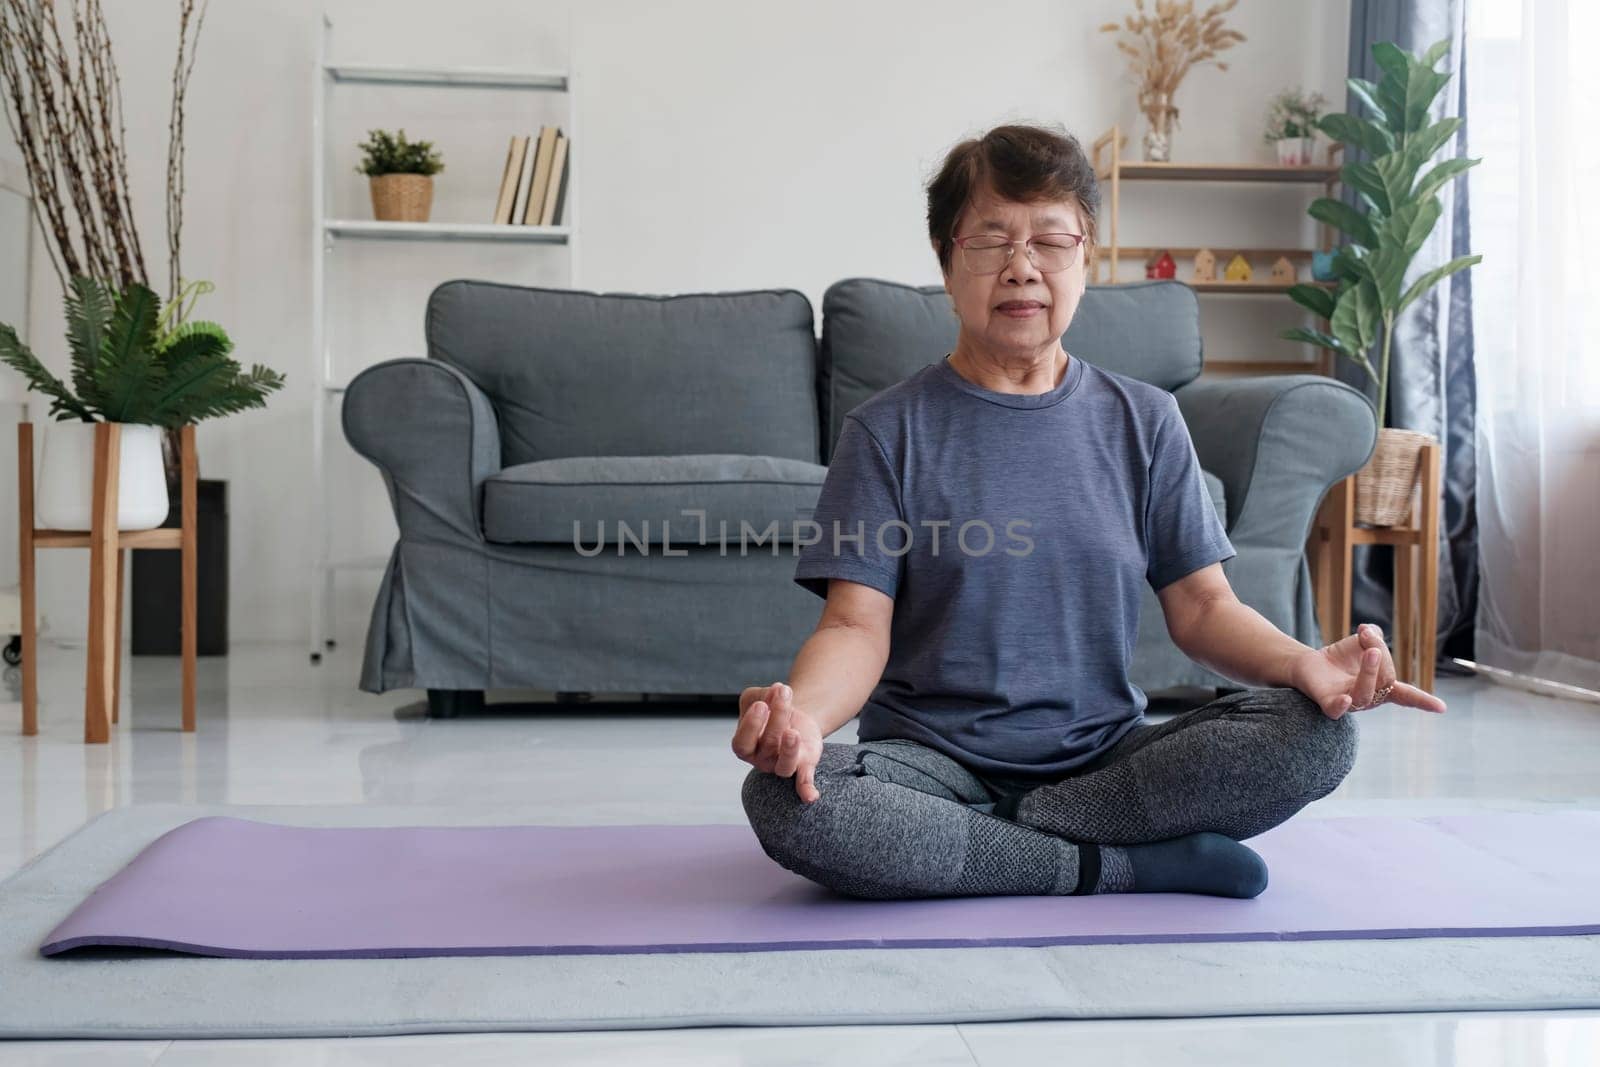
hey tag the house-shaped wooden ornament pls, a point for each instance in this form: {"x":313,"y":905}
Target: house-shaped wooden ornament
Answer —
{"x":1283,"y":272}
{"x":1162,"y":266}
{"x":1238,"y":269}
{"x":1205,"y":266}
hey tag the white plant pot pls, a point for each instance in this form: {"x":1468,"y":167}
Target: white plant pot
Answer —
{"x":65,"y":496}
{"x":1294,"y":152}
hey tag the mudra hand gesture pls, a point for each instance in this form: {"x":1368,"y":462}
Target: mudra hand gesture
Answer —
{"x":776,"y":736}
{"x":1356,"y":673}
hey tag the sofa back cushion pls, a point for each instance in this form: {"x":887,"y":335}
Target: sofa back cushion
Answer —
{"x":573,"y":373}
{"x":876,"y":333}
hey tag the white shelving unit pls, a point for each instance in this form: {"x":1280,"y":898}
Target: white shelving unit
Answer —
{"x":327,"y":231}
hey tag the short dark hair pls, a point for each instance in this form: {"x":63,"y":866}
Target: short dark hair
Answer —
{"x":1019,"y":162}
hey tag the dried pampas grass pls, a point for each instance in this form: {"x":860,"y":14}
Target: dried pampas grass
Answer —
{"x":1161,"y":48}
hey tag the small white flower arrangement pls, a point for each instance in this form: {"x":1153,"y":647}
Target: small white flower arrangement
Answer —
{"x":1292,"y":125}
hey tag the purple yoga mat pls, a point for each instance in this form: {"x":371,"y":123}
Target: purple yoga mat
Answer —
{"x":222,"y":886}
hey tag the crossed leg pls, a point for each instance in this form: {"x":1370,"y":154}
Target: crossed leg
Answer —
{"x":899,"y":819}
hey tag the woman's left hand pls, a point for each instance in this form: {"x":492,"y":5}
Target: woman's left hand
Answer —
{"x":1357,"y":673}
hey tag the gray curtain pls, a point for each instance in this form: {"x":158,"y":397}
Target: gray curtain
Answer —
{"x":1432,"y":381}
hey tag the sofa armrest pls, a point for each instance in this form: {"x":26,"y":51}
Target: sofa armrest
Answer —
{"x":1277,"y":443}
{"x":433,"y":434}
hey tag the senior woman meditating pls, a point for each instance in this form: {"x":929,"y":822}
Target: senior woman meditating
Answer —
{"x":1002,"y":748}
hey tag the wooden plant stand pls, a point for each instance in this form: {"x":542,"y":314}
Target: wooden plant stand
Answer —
{"x":1416,"y":569}
{"x":105,"y":544}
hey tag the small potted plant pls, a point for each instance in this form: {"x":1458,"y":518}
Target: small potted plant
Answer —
{"x":1292,"y":125}
{"x":137,"y":365}
{"x":401,"y":174}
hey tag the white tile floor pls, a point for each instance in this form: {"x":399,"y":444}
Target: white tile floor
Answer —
{"x":275,"y":730}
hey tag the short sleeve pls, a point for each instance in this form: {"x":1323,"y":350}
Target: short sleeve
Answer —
{"x":1182,"y":529}
{"x":860,"y":532}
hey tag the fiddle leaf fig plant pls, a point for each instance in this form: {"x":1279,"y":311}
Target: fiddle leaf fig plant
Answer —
{"x":1400,"y":209}
{"x":125,"y":368}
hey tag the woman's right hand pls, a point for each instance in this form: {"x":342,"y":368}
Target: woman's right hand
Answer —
{"x":775,"y":736}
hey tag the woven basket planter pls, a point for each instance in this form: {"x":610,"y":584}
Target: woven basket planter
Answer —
{"x":1385,"y":486}
{"x":402,"y":197}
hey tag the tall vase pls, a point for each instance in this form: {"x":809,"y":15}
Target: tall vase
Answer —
{"x":1163,"y":117}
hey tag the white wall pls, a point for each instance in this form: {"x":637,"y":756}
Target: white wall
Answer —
{"x":719,"y":145}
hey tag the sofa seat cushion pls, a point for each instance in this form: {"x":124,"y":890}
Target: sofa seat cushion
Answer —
{"x":633,"y":499}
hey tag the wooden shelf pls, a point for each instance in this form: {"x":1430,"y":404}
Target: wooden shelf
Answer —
{"x":1251,"y":287}
{"x":1221,"y":172}
{"x":163,"y":537}
{"x":447,"y":77}
{"x":445,"y":231}
{"x":1222,"y":252}
{"x":1334,"y":531}
{"x":1111,"y":167}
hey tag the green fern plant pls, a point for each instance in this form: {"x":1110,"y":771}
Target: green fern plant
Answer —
{"x":128,"y":367}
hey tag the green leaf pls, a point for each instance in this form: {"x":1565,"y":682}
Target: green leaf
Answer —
{"x":191,"y":381}
{"x":1421,"y":88}
{"x":1342,"y":216}
{"x":1314,"y":337}
{"x":1411,"y":226}
{"x":1428,"y":280}
{"x":1351,"y":262}
{"x":242,"y":392}
{"x":1314,"y":298}
{"x":1364,"y":134}
{"x":1393,"y":62}
{"x":1364,"y":178}
{"x":127,"y":371}
{"x":1367,"y":93}
{"x":89,"y":308}
{"x":1421,"y":147}
{"x":1355,"y":317}
{"x":15,"y":354}
{"x":1436,"y":177}
{"x":1397,"y":175}
{"x":1437,"y":51}
{"x":202,"y":337}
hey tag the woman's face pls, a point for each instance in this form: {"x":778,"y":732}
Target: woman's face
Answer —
{"x":1020,"y":313}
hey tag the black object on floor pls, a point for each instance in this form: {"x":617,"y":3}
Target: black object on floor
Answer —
{"x":449,"y":703}
{"x":157,"y":590}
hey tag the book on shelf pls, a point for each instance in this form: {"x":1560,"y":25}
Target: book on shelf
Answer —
{"x":555,"y":196}
{"x":510,"y":179}
{"x":533,"y":186}
{"x":524,"y":180}
{"x":541,"y":176}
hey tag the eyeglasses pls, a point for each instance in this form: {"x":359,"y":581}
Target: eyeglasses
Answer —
{"x":986,"y":253}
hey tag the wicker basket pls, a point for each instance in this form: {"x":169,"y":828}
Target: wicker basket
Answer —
{"x":402,"y":197}
{"x":1386,"y":485}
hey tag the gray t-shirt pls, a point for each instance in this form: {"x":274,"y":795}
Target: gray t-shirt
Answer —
{"x":1014,"y":533}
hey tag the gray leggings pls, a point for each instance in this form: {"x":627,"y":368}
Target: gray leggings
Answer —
{"x":899,"y":819}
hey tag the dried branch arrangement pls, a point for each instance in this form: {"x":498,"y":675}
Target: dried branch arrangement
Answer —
{"x":65,"y":111}
{"x":1164,"y":46}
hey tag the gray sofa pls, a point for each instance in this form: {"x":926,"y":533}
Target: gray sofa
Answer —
{"x":670,"y":419}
